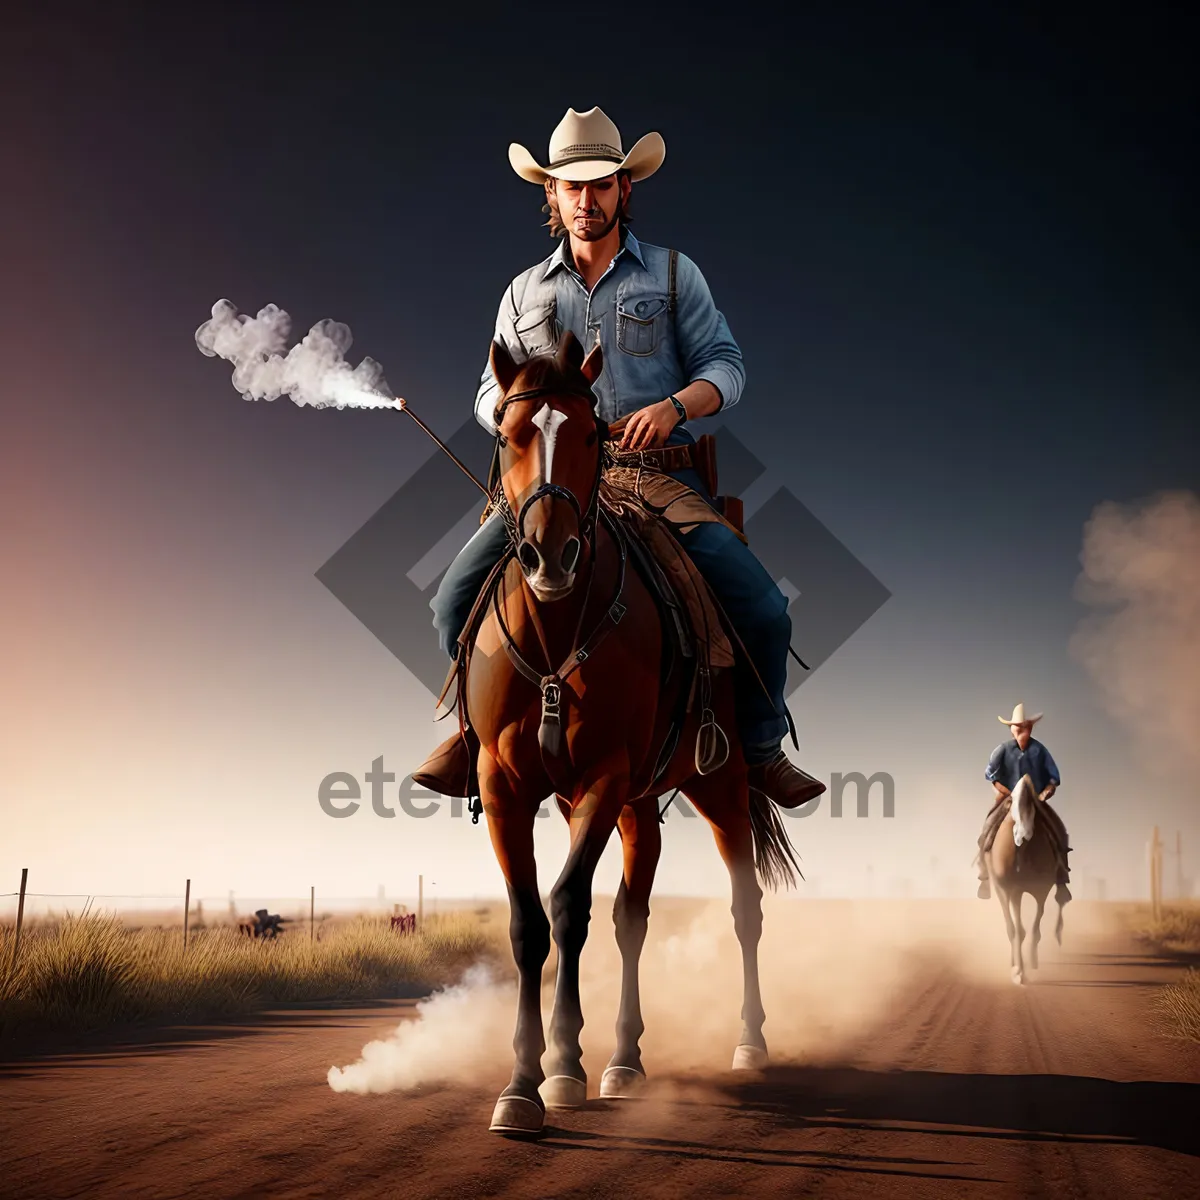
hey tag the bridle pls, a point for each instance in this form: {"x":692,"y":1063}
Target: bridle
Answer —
{"x":586,"y":518}
{"x":550,"y":682}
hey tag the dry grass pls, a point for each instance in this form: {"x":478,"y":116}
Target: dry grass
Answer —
{"x":1178,"y":1006}
{"x":1176,"y":931}
{"x":92,"y":971}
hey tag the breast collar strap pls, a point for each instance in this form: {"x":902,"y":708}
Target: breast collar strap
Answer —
{"x":551,"y":685}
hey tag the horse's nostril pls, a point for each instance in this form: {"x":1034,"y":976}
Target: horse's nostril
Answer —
{"x":570,"y":553}
{"x":529,"y":557}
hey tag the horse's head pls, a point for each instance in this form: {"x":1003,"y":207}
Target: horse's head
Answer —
{"x":1024,"y":810}
{"x":550,"y":441}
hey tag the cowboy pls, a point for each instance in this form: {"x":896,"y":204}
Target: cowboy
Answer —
{"x":1022,"y":755}
{"x":662,"y":368}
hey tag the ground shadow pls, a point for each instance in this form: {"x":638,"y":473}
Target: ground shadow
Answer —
{"x":1028,"y":1107}
{"x":97,"y":1047}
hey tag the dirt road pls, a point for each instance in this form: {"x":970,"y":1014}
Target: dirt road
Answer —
{"x":952,"y":1083}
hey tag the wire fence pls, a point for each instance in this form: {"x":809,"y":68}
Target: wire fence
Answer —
{"x":231,"y":905}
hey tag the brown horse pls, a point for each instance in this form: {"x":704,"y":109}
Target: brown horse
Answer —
{"x":590,"y":731}
{"x":1022,"y":861}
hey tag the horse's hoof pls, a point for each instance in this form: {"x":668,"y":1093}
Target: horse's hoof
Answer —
{"x":563,"y":1091}
{"x":749,"y":1058}
{"x":1018,"y":977}
{"x":517,"y":1114}
{"x":622,"y":1083}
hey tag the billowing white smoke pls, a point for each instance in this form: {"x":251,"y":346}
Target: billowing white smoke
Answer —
{"x":1142,"y":565}
{"x":314,"y":371}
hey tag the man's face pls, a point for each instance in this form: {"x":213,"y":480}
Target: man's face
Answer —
{"x":590,"y":210}
{"x":1022,"y":733}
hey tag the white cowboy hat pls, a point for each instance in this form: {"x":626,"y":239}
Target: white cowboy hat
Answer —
{"x":587,"y":146}
{"x":1019,"y":717}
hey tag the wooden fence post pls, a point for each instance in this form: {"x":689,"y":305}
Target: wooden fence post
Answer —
{"x":187,"y":904}
{"x":421,"y":901}
{"x":12,"y":966}
{"x":312,"y":910}
{"x":1155,"y":874}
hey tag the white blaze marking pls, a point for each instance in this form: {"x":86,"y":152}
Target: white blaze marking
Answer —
{"x":548,"y":420}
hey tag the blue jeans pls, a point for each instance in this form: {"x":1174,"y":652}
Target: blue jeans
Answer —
{"x":747,"y":593}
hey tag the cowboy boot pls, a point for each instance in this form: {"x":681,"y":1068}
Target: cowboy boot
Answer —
{"x":449,"y":770}
{"x":984,"y":891}
{"x":784,"y":783}
{"x":1062,"y":893}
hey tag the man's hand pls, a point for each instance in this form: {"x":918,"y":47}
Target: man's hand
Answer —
{"x":1047,"y":792}
{"x":649,"y":427}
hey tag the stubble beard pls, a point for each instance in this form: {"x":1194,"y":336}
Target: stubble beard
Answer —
{"x":591,"y":233}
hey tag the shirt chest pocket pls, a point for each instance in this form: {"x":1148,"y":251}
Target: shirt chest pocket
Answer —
{"x":537,"y":329}
{"x":641,"y":324}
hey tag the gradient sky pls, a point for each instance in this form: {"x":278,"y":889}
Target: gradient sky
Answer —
{"x":960,"y":257}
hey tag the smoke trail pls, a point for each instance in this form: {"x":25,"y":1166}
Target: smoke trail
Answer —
{"x":1142,"y":563}
{"x":314,"y":371}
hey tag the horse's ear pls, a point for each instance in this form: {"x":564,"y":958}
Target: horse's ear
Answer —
{"x":570,"y":352}
{"x":592,"y":365}
{"x":504,"y":370}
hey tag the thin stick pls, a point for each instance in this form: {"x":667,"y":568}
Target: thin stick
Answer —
{"x":312,"y":908}
{"x":187,"y":904}
{"x":457,"y":461}
{"x":12,"y":966}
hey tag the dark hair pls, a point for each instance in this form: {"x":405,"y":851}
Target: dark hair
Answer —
{"x":555,"y":225}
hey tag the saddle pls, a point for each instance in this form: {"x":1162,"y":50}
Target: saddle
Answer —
{"x":645,"y":503}
{"x":1050,"y":820}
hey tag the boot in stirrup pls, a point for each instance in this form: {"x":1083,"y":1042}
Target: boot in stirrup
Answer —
{"x":449,"y":770}
{"x":784,"y":783}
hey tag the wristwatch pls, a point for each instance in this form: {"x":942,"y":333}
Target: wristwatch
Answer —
{"x":679,"y":409}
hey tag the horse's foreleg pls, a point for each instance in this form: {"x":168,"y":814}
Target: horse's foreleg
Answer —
{"x":1018,"y":937}
{"x":520,"y":1108}
{"x":594,"y":815}
{"x":641,"y":842}
{"x":1036,"y":933}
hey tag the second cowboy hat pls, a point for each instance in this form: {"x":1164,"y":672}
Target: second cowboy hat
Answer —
{"x":1019,"y":718}
{"x":587,"y":146}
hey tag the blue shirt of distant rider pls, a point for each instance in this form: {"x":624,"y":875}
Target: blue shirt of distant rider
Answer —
{"x":1009,"y":762}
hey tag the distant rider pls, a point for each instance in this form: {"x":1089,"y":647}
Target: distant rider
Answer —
{"x":1023,"y":755}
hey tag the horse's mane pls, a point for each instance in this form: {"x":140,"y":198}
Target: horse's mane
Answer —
{"x":548,"y":371}
{"x":1024,"y":794}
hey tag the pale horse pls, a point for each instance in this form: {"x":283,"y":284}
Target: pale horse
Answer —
{"x":1022,"y":860}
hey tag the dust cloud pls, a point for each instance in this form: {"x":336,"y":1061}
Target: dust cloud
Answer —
{"x":1141,"y":568}
{"x":832,"y":972}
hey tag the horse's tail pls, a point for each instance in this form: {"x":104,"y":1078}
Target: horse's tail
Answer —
{"x":774,"y":854}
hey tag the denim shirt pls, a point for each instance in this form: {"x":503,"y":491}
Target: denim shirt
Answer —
{"x":1008,"y":763}
{"x":648,"y":352}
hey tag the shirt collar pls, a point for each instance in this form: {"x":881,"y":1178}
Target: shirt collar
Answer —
{"x":562,"y":256}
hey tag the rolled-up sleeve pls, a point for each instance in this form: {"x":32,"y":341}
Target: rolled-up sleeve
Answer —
{"x":488,"y":395}
{"x":706,"y":347}
{"x":1051,"y":768}
{"x":995,"y":765}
